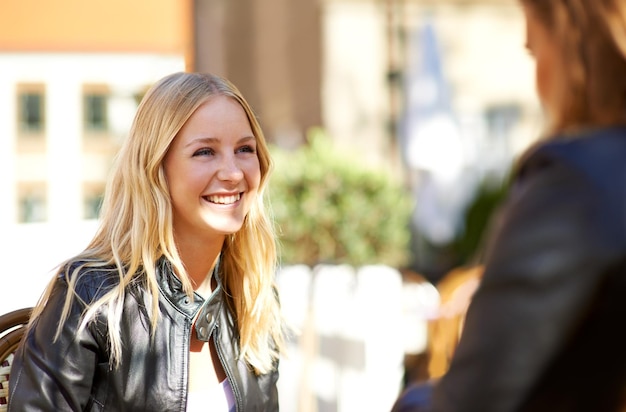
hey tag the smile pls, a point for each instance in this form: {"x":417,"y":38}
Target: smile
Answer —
{"x":224,"y":200}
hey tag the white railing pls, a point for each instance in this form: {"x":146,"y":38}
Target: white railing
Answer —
{"x":353,"y":323}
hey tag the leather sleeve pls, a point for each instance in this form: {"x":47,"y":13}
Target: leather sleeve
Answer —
{"x":544,"y":263}
{"x":270,"y":380}
{"x":54,"y":375}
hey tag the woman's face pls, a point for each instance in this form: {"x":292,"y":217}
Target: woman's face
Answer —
{"x":212,"y":170}
{"x":548,"y":70}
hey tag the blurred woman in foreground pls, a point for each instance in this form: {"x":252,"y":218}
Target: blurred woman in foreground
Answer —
{"x":542,"y":332}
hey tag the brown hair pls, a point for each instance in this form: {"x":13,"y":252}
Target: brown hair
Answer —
{"x":591,"y":38}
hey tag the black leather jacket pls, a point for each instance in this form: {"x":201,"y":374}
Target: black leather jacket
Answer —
{"x":73,"y":373}
{"x":543,"y":332}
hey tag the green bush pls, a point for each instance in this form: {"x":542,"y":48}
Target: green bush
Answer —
{"x":489,"y":195}
{"x":331,"y":209}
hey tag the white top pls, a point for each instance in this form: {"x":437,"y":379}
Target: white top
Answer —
{"x":220,"y":398}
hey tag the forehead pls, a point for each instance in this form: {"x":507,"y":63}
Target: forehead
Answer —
{"x":218,"y":105}
{"x":218,"y":114}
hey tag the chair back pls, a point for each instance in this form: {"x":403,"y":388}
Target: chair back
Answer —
{"x":12,"y":328}
{"x":456,"y":289}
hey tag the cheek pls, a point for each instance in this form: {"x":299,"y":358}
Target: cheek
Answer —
{"x":184,"y":182}
{"x":540,"y":80}
{"x":253,"y":174}
{"x":546,"y":83}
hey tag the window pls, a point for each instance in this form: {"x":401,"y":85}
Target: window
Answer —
{"x":31,"y":109}
{"x":92,"y":200}
{"x":92,"y":206}
{"x":96,"y":118}
{"x":32,"y":203}
{"x":95,"y":109}
{"x":138,"y":97}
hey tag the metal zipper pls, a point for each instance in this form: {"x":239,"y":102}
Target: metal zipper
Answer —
{"x":186,"y":336}
{"x":227,"y":371}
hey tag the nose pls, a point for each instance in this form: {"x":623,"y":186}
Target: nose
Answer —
{"x":229,"y":169}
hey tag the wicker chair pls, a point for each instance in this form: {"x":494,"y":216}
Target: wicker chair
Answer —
{"x":456,"y":289}
{"x":12,"y":328}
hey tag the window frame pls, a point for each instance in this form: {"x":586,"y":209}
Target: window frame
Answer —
{"x":22,"y":125}
{"x":91,"y":128}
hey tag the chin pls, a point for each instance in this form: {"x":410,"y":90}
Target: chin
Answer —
{"x":228,"y":229}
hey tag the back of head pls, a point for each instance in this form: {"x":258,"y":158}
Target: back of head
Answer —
{"x":590,"y":36}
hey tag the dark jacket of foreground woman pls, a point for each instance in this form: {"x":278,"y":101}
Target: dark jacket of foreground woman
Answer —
{"x":544,"y":329}
{"x":74,"y":374}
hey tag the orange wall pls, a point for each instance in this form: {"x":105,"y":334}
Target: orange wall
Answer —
{"x":96,"y":25}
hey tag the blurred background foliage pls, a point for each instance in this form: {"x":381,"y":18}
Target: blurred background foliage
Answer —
{"x":477,"y":217}
{"x":331,"y":208}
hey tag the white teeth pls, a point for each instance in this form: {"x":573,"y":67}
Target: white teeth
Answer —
{"x":224,"y":200}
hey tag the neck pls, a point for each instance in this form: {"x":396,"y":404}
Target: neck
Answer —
{"x":199,"y":259}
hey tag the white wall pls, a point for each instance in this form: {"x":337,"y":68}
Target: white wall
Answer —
{"x":63,"y":75}
{"x":29,"y":251}
{"x":29,"y":254}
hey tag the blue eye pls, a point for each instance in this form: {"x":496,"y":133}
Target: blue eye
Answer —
{"x":247,"y":149}
{"x":204,"y":152}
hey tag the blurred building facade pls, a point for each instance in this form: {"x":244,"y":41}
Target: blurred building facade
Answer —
{"x":467,"y":110}
{"x":272,"y":50}
{"x":73,"y":72}
{"x":72,"y":75}
{"x":356,"y":68}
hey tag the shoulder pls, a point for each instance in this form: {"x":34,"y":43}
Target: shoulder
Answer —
{"x":591,"y":164}
{"x":574,"y":183}
{"x":565,"y":209}
{"x":595,"y":155}
{"x":89,"y":279}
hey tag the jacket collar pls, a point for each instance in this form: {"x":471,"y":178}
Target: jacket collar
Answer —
{"x":172,"y":290}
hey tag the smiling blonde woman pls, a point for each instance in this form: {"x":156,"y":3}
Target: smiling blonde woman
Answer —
{"x":172,"y":306}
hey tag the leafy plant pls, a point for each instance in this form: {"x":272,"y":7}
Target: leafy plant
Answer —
{"x":329,"y":208}
{"x":477,"y":217}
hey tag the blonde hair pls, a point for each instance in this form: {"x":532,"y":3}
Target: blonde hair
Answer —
{"x":136,"y":226}
{"x":590,"y":36}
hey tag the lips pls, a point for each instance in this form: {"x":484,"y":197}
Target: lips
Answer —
{"x":223,"y":199}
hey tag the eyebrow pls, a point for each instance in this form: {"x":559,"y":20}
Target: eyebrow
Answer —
{"x":209,"y":140}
